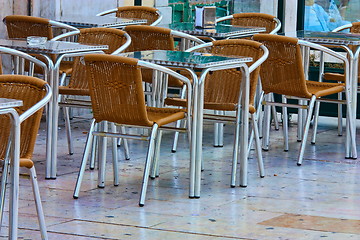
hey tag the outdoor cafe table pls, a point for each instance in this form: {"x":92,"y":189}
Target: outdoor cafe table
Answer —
{"x":221,"y":31}
{"x":60,"y":49}
{"x":102,"y":21}
{"x":7,"y":107}
{"x":344,"y":40}
{"x":205,"y":63}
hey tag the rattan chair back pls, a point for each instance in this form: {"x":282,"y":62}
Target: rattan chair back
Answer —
{"x":255,"y":20}
{"x":222,"y":87}
{"x":30,"y":90}
{"x":141,"y":12}
{"x":283,"y":71}
{"x":149,"y":38}
{"x":116,"y":90}
{"x":114,"y":38}
{"x":19,"y":26}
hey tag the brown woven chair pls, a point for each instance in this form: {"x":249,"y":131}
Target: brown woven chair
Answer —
{"x":152,"y":15}
{"x":34,"y":93}
{"x":21,"y":27}
{"x":117,"y":96}
{"x":338,"y":77}
{"x":271,"y":23}
{"x":222,"y":90}
{"x":157,"y":38}
{"x":283,"y":73}
{"x":116,"y":39}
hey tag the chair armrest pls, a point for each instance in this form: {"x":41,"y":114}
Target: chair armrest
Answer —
{"x":107,"y":12}
{"x":62,"y":25}
{"x":186,"y":36}
{"x":224,"y":18}
{"x":123,"y":47}
{"x":171,"y":73}
{"x":343,"y":27}
{"x":38,"y":105}
{"x":277,"y":28}
{"x":157,"y":20}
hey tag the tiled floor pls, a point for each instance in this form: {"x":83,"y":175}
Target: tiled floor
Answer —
{"x":320,"y":199}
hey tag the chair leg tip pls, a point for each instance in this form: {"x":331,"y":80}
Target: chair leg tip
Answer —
{"x":75,"y":197}
{"x":298,"y":140}
{"x":141,"y":204}
{"x":264,"y":149}
{"x":262,"y":176}
{"x":101,"y":186}
{"x":299,"y":164}
{"x":312,"y":143}
{"x":92,"y":168}
{"x":71,"y":153}
{"x":152,"y":178}
{"x":286,"y":150}
{"x":127,"y":158}
{"x":173,"y":151}
{"x":243,"y":186}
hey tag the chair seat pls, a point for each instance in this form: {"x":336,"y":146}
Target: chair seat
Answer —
{"x":336,"y":77}
{"x":163,"y":116}
{"x":65,"y":90}
{"x":66,"y":67}
{"x":320,"y":89}
{"x":208,"y":105}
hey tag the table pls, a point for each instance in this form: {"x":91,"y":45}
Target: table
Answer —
{"x":344,"y":40}
{"x":104,"y":21}
{"x":60,"y":49}
{"x":221,"y":31}
{"x":7,"y":107}
{"x":206,"y":63}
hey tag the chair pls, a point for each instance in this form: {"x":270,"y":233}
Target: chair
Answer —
{"x":157,"y":38}
{"x":283,"y":73}
{"x":116,"y":39}
{"x":337,"y":77}
{"x":117,"y":96}
{"x":271,"y":23}
{"x":21,"y":27}
{"x":34,"y":93}
{"x":222,"y":90}
{"x":152,"y":15}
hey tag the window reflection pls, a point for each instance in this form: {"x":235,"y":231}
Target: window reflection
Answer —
{"x":326,"y":15}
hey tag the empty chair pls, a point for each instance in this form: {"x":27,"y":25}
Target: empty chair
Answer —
{"x":117,"y":40}
{"x":152,"y":15}
{"x":271,"y":23}
{"x":283,"y":73}
{"x":222,"y":90}
{"x":21,"y":27}
{"x":117,"y":96}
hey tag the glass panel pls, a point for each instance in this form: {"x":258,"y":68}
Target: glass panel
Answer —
{"x":326,"y":15}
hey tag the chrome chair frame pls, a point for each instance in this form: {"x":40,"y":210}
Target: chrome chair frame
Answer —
{"x":151,"y":157}
{"x":19,"y":69}
{"x":310,"y":106}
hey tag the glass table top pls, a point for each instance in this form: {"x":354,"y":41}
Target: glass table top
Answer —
{"x":326,"y":37}
{"x":9,"y":103}
{"x":185,"y":59}
{"x":50,"y":47}
{"x":220,"y":30}
{"x":102,"y":21}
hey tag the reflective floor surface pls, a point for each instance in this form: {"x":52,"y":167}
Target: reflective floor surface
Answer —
{"x":318,"y":200}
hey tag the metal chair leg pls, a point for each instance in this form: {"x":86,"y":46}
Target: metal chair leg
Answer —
{"x":126,"y":144}
{"x":5,"y":174}
{"x":149,"y":157}
{"x":274,"y":113}
{"x":102,"y":155}
{"x":115,"y":156}
{"x":155,"y":162}
{"x":316,"y":120}
{"x":258,"y":146}
{"x":306,"y":130}
{"x":68,"y":130}
{"x":285,"y":125}
{"x":88,"y":145}
{"x":235,"y":149}
{"x":38,"y":204}
{"x":266,"y":126}
{"x":94,"y":147}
